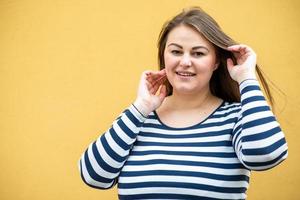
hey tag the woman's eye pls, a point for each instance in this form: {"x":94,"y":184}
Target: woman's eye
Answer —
{"x":176,"y":52}
{"x":198,"y":54}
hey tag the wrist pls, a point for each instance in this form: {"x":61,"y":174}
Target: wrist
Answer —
{"x":142,"y":106}
{"x":246,"y":77}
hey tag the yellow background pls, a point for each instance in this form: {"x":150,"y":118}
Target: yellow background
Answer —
{"x":69,"y":67}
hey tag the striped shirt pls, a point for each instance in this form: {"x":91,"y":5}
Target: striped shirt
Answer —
{"x":209,"y":160}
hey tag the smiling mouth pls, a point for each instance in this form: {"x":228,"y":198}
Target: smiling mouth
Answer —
{"x":185,"y":74}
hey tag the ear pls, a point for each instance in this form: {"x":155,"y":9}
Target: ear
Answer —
{"x":216,"y":65}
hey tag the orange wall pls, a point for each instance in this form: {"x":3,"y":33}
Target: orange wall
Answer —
{"x":68,"y":68}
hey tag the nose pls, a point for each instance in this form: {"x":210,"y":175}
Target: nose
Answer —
{"x":185,"y":60}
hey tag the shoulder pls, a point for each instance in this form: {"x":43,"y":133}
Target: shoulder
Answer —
{"x":227,"y":113}
{"x":228,"y":108}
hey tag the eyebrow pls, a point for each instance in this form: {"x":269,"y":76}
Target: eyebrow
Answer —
{"x":196,"y":47}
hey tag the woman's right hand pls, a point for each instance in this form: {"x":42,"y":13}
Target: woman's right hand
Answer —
{"x":151,"y":91}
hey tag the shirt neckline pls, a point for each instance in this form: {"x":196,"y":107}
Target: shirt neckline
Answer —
{"x":191,"y":126}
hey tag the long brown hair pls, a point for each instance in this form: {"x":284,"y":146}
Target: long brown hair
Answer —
{"x":221,"y":84}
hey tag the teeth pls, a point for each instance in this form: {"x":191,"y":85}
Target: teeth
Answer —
{"x":185,"y":74}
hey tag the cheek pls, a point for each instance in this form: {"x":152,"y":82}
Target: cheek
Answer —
{"x":170,"y":61}
{"x":169,"y":74}
{"x":210,"y":64}
{"x":168,"y":66}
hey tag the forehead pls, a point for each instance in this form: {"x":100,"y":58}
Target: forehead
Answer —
{"x":186,"y":35}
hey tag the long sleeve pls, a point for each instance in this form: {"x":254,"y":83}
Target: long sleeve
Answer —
{"x":257,"y":137}
{"x":101,"y":163}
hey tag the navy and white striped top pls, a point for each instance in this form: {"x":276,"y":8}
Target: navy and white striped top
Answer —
{"x":209,"y":160}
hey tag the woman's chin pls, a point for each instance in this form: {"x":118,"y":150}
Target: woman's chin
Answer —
{"x":184,"y":90}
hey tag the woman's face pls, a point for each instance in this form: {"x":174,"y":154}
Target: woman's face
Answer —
{"x":190,"y":60}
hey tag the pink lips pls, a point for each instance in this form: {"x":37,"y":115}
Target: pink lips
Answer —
{"x":185,"y":73}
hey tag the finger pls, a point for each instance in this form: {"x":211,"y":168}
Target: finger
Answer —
{"x":149,"y":86}
{"x":156,"y":74}
{"x":157,"y":84}
{"x":163,"y":71}
{"x":153,"y":82}
{"x":147,"y":72}
{"x":229,"y":64}
{"x":236,"y":46}
{"x":162,"y":93}
{"x":154,"y":79}
{"x":241,"y":48}
{"x":241,"y":53}
{"x":158,"y":79}
{"x":154,"y":89}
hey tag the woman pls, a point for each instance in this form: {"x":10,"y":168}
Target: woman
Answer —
{"x":198,"y":126}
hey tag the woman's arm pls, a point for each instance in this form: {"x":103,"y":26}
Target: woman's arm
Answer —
{"x":103,"y":160}
{"x":101,"y":163}
{"x":257,"y":137}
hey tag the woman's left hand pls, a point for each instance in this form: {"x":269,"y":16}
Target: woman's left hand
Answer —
{"x":246,"y":63}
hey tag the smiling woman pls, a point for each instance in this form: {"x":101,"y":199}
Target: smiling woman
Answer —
{"x":198,"y":126}
{"x":189,"y":61}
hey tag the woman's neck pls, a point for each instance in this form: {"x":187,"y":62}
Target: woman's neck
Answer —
{"x":180,"y":101}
